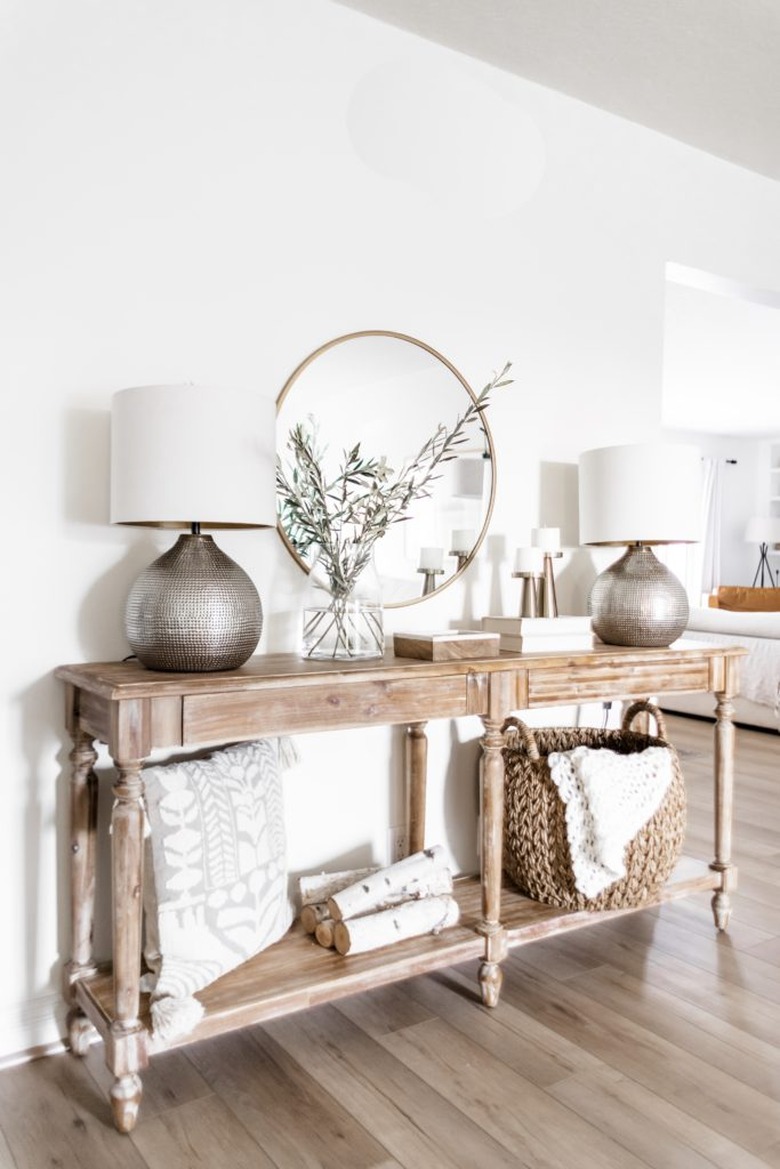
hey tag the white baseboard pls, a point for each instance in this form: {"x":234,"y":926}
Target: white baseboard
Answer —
{"x":31,"y":1029}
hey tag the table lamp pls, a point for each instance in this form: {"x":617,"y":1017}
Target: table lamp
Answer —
{"x":185,"y":456}
{"x":763,"y":530}
{"x":639,"y":495}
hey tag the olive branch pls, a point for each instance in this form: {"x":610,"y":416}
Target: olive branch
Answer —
{"x":343,"y":517}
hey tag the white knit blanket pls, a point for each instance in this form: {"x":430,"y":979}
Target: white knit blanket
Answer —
{"x":609,"y":797}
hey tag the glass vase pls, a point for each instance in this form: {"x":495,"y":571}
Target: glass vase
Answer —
{"x":344,"y":625}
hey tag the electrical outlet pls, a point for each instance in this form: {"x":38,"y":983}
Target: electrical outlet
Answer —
{"x":397,"y":843}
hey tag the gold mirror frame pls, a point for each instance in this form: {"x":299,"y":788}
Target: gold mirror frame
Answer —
{"x":490,"y":453}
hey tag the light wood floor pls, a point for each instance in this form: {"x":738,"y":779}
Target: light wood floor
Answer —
{"x":645,"y":1041}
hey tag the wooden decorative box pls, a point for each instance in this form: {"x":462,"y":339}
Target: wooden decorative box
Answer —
{"x":450,"y":646}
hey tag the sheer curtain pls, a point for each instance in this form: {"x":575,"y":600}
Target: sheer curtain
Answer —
{"x":698,"y":565}
{"x":712,"y":510}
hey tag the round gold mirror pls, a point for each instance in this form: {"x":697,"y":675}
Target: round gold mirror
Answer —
{"x":389,"y":393}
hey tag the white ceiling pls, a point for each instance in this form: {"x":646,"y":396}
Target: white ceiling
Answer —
{"x":706,"y":72}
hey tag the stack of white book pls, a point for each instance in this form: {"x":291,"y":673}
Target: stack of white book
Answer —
{"x":534,"y":634}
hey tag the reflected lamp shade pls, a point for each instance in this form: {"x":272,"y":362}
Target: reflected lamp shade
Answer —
{"x":763,"y":530}
{"x":639,"y":495}
{"x":187,"y":457}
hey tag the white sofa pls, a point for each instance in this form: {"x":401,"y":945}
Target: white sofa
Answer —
{"x":758,"y":700}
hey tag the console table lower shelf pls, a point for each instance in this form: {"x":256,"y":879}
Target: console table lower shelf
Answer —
{"x":296,"y":973}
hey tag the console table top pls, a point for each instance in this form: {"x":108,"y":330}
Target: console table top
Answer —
{"x":129,"y":679}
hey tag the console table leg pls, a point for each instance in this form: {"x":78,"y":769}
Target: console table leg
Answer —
{"x":724,"y":807}
{"x":125,"y":1097}
{"x":127,"y":873}
{"x":491,"y":977}
{"x":492,"y":841}
{"x":721,"y":909}
{"x":416,"y":778}
{"x":80,"y":1031}
{"x":83,"y":828}
{"x":126,"y":1050}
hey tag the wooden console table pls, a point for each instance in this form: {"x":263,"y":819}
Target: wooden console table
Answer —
{"x":134,"y":710}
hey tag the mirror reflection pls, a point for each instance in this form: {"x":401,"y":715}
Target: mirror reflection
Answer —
{"x":389,"y":392}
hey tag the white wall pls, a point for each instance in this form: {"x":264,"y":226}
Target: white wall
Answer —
{"x":721,"y":356}
{"x":744,"y":478}
{"x":208,"y":191}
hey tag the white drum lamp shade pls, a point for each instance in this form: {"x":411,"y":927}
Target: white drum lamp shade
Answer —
{"x":639,"y":495}
{"x":185,"y":456}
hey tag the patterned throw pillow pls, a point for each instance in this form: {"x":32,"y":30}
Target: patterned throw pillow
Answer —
{"x":216,"y":881}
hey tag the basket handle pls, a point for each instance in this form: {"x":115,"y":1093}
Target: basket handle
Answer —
{"x":643,"y":705}
{"x":514,"y":726}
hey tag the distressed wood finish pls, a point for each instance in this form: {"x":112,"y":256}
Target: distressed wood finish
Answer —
{"x":416,"y":775}
{"x":491,"y":850}
{"x":134,"y":710}
{"x":83,"y":819}
{"x":83,"y":826}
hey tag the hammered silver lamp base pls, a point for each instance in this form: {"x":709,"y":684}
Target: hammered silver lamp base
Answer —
{"x":637,"y":601}
{"x":193,"y":609}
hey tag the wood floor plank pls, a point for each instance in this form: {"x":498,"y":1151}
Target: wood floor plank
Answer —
{"x":664,"y":1136}
{"x":389,"y":1008}
{"x":170,"y":1080}
{"x":695,"y":915}
{"x":772,"y":1157}
{"x":530,"y":1124}
{"x":692,"y":1028}
{"x":7,"y":1159}
{"x":418,"y":1125}
{"x":507,"y":1035}
{"x":717,"y":957}
{"x":709,"y":1094}
{"x":767,"y":950}
{"x":202,"y":1134}
{"x":722,"y":999}
{"x":52,"y":1117}
{"x":283,"y":1107}
{"x":762,"y":890}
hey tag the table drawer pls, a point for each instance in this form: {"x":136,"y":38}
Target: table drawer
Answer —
{"x":244,"y":714}
{"x":599,"y":680}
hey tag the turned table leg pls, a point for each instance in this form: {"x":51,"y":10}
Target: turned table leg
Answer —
{"x":490,"y":973}
{"x":83,"y":826}
{"x":125,"y":1095}
{"x":724,"y":808}
{"x":416,"y":778}
{"x":126,"y":1049}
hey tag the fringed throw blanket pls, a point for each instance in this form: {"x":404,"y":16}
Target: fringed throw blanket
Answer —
{"x":609,"y":797}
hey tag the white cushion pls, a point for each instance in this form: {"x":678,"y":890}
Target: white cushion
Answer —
{"x":747,"y":624}
{"x":216,"y":880}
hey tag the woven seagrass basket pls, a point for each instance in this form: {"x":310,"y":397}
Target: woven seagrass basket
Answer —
{"x":536,"y":848}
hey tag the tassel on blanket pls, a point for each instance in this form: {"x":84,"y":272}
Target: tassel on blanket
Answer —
{"x":174,"y":1017}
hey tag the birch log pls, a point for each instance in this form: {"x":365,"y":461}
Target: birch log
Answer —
{"x":419,"y":875}
{"x":321,"y":886}
{"x":312,"y":915}
{"x":410,"y":919}
{"x":325,"y":933}
{"x":355,"y":901}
